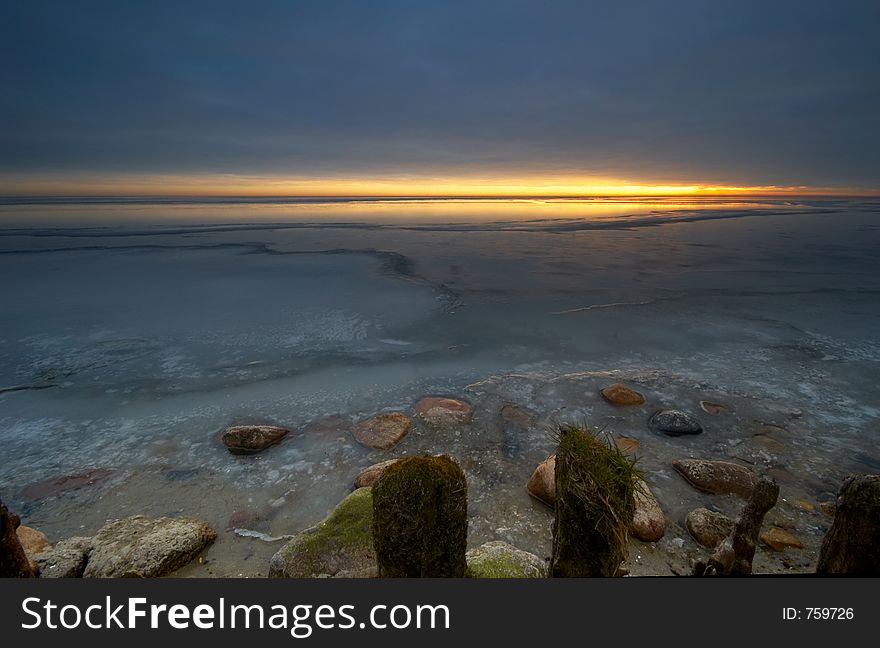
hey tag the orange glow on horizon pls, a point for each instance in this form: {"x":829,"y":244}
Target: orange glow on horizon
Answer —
{"x":228,"y":185}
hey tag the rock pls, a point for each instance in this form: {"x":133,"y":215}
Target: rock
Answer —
{"x":14,"y":562}
{"x":443,"y":412}
{"x":420,"y":519}
{"x":852,"y":544}
{"x":340,"y":546}
{"x":649,"y":522}
{"x":780,"y":474}
{"x":33,"y":542}
{"x":767,"y":442}
{"x":382,"y":432}
{"x":516,"y":424}
{"x":499,"y":559}
{"x":329,"y":424}
{"x":67,"y":559}
{"x":145,"y":547}
{"x":626,"y":444}
{"x":57,"y":485}
{"x":369,"y":475}
{"x":778,"y":539}
{"x":712,"y":409}
{"x":622,"y":396}
{"x":675,"y":422}
{"x":542,"y":483}
{"x":707,"y":527}
{"x":717,"y":477}
{"x":249,"y":439}
{"x":595,"y":504}
{"x":828,"y":508}
{"x":804,"y":505}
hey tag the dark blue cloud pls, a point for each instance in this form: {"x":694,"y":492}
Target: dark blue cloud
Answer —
{"x":735,"y":91}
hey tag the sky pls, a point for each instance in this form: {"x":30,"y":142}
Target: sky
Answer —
{"x":404,"y":97}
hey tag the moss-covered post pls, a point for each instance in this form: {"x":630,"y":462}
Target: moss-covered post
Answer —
{"x":420,"y":518}
{"x":852,"y":544}
{"x":595,"y":502}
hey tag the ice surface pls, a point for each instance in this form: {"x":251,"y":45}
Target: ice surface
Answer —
{"x":129,"y":347}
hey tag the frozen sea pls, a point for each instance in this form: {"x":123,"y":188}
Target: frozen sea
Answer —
{"x":133,"y":331}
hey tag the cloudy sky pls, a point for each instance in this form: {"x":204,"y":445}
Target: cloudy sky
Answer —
{"x":675,"y":92}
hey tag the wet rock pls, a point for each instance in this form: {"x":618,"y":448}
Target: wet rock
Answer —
{"x":717,"y":477}
{"x":627,"y":444}
{"x":243,"y":520}
{"x":515,"y":425}
{"x":249,"y":439}
{"x":542,"y":483}
{"x":707,"y":527}
{"x":33,"y":542}
{"x":649,"y":522}
{"x":675,"y":423}
{"x":828,"y":508}
{"x":14,"y":562}
{"x":67,"y":559}
{"x":63,"y":483}
{"x":369,"y":475}
{"x":420,"y":519}
{"x":780,"y":474}
{"x":622,"y":396}
{"x":804,"y":505}
{"x":443,"y":412}
{"x":499,"y":559}
{"x":329,"y":424}
{"x":712,"y":409}
{"x":778,"y":539}
{"x":382,"y":432}
{"x":852,"y":544}
{"x":767,"y":442}
{"x":340,"y":546}
{"x":140,"y":546}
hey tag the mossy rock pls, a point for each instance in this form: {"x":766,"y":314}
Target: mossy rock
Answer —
{"x":596,"y":485}
{"x":420,"y":518}
{"x":498,"y":559}
{"x":341,"y":545}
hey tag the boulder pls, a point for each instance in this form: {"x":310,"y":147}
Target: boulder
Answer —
{"x":369,"y":475}
{"x":420,"y":519}
{"x":542,"y":483}
{"x":707,"y":527}
{"x":622,"y":396}
{"x":779,"y":539}
{"x":249,"y":439}
{"x":675,"y":422}
{"x":67,"y":559}
{"x":717,"y":477}
{"x":340,"y":546}
{"x":382,"y":432}
{"x":649,"y":522}
{"x":443,"y":412}
{"x":499,"y":559}
{"x":14,"y":562}
{"x":33,"y":542}
{"x":140,"y":546}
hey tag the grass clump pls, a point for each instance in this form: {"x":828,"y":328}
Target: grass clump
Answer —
{"x":420,"y":518}
{"x":596,"y":485}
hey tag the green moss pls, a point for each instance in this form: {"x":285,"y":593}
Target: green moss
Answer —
{"x":420,"y":518}
{"x":343,"y":542}
{"x":595,"y":488}
{"x":501,"y":560}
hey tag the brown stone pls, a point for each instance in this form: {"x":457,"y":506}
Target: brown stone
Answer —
{"x":712,"y":409}
{"x":828,"y":508}
{"x":717,"y":477}
{"x":369,"y":475}
{"x":63,"y":483}
{"x":248,"y":439}
{"x":14,"y":561}
{"x":649,"y":522}
{"x":443,"y":412}
{"x":622,"y":396}
{"x":778,"y":539}
{"x":33,"y":542}
{"x":707,"y":527}
{"x":780,"y":474}
{"x":768,"y":442}
{"x":804,"y":505}
{"x":626,"y":444}
{"x":542,"y":483}
{"x":382,"y":432}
